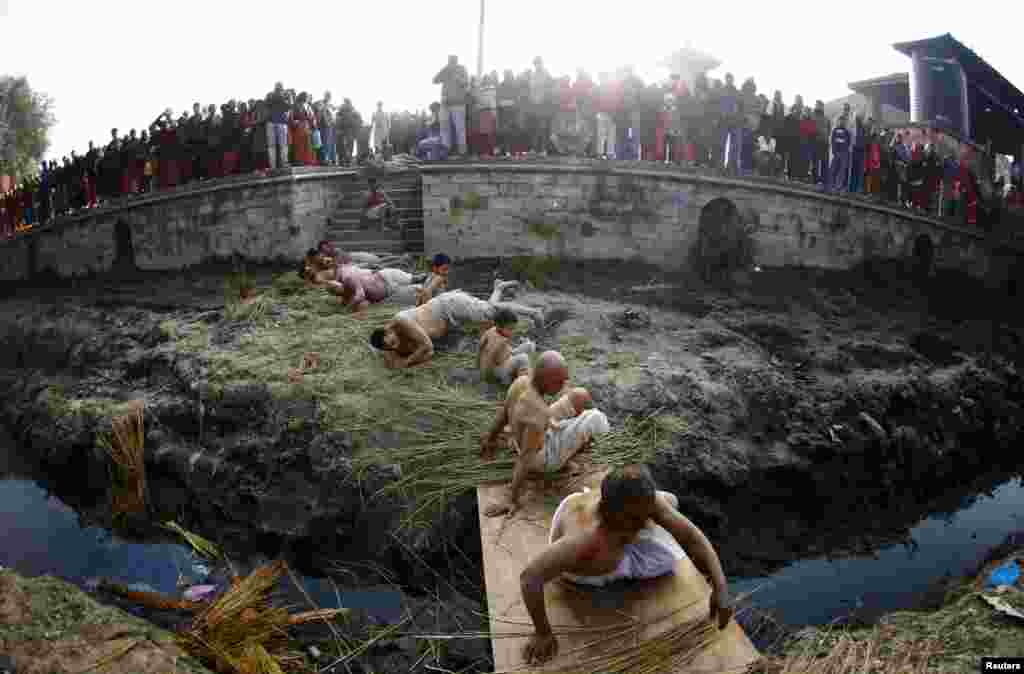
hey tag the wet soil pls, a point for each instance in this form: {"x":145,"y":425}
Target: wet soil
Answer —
{"x":827,"y":412}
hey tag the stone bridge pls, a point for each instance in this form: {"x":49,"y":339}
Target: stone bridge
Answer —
{"x":584,"y":210}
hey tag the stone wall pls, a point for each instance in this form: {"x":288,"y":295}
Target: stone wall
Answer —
{"x":266,"y":219}
{"x":15,"y":260}
{"x":597,"y":212}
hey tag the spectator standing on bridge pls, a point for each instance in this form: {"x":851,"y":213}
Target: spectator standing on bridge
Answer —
{"x":363,"y":141}
{"x":327,"y":120}
{"x":840,"y":157}
{"x":508,"y":113}
{"x":542,"y":107}
{"x":277,"y":127}
{"x":808,"y":140}
{"x":873,"y":162}
{"x":583,"y":89}
{"x":858,"y":149}
{"x":381,"y":128}
{"x":822,"y":144}
{"x":791,"y":137}
{"x":302,"y":128}
{"x":604,"y":107}
{"x":454,"y":81}
{"x":488,"y":115}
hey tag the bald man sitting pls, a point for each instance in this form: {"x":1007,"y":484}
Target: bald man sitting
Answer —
{"x":408,"y":339}
{"x":544,"y":444}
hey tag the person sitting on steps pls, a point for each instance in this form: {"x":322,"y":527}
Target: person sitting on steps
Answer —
{"x":497,"y":359}
{"x":628,"y":530}
{"x":379,"y":206}
{"x":407,"y":340}
{"x":543,"y":445}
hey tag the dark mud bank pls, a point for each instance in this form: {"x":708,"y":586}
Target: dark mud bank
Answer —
{"x":797,"y":469}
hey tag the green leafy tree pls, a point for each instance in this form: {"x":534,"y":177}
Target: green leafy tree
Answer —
{"x":25,"y":120}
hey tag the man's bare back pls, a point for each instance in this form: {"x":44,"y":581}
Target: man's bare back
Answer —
{"x":494,"y":350}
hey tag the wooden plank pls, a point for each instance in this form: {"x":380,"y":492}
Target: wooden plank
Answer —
{"x":508,"y":545}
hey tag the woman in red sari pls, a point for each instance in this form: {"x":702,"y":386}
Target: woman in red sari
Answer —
{"x":303,"y":129}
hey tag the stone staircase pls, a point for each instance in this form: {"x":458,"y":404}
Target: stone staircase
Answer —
{"x":347,"y":230}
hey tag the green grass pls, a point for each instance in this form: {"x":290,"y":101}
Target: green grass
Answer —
{"x":536,"y":270}
{"x":438,"y":423}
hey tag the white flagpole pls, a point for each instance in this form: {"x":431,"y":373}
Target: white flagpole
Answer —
{"x":480,"y":44}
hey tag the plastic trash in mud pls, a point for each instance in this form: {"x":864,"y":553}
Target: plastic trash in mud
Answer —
{"x":1003,"y":607}
{"x":142,"y":587}
{"x":200,"y":592}
{"x":1005,"y":574}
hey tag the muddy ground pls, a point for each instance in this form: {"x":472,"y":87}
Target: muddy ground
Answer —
{"x":827,"y":412}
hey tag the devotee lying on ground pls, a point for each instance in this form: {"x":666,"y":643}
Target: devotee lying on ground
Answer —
{"x":543,"y":446}
{"x":437,"y":281}
{"x":497,"y":359}
{"x":318,"y":268}
{"x":360,"y":287}
{"x":408,"y":339}
{"x":378,"y":204}
{"x":629,"y":530}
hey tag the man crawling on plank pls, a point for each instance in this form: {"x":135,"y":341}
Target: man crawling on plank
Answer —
{"x":360,"y":287}
{"x":408,"y":339}
{"x":544,"y":445}
{"x":497,"y":359}
{"x":629,"y":530}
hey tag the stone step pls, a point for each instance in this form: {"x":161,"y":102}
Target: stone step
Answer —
{"x":376,"y":247}
{"x":339,"y":234}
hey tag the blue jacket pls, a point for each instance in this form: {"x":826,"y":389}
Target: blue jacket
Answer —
{"x":840,"y":140}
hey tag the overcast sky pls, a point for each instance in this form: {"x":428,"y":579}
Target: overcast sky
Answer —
{"x":119,"y":63}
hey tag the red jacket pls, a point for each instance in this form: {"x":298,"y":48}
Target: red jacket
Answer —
{"x":610,"y":98}
{"x":583,"y":89}
{"x":808,"y":129}
{"x":567,"y":97}
{"x":873,"y":158}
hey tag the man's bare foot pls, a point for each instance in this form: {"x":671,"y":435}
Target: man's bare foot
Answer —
{"x":504,"y":285}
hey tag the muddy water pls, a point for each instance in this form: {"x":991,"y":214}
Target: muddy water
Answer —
{"x":818,"y":591}
{"x":45,"y":535}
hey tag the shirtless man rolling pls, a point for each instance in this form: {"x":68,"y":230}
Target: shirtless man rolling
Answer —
{"x":544,"y":446}
{"x":408,"y":339}
{"x":497,"y":359}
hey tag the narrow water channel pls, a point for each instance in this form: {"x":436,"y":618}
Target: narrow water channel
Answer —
{"x":43,"y":535}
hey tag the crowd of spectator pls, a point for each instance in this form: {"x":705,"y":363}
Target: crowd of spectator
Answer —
{"x":715,"y":126}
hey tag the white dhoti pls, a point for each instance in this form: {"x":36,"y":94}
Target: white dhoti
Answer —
{"x":519,"y":360}
{"x":562,"y":443}
{"x":653,"y":553}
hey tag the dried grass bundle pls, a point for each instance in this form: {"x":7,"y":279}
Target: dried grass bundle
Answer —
{"x":667,"y":652}
{"x":242,"y":631}
{"x":840,"y":653}
{"x":126,"y":449}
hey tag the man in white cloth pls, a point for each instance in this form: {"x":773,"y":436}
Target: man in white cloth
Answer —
{"x":629,"y":530}
{"x":544,"y":445}
{"x":407,"y":340}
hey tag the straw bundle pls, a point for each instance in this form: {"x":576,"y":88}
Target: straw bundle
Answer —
{"x":126,"y":449}
{"x":846,"y":655}
{"x":667,"y":652}
{"x":242,"y":631}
